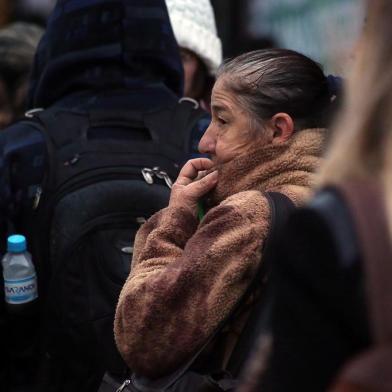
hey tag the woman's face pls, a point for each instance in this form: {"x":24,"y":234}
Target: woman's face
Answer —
{"x":230,"y":133}
{"x":191,"y":66}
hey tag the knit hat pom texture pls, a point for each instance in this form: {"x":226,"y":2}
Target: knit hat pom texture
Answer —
{"x":194,"y":27}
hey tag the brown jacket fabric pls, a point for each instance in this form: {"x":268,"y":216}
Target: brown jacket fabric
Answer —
{"x":187,"y":276}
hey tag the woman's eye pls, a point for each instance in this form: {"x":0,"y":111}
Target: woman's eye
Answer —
{"x":222,"y":121}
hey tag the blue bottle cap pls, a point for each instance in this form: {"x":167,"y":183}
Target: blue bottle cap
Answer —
{"x":16,"y":243}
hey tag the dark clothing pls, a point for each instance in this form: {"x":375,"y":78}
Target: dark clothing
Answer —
{"x":95,"y":54}
{"x":320,"y":316}
{"x":92,"y":45}
{"x":23,"y":152}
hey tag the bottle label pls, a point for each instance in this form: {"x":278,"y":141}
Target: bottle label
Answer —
{"x":20,"y":291}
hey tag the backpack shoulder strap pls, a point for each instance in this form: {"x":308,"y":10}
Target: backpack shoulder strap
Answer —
{"x":258,"y":321}
{"x":49,"y":121}
{"x":367,"y":205}
{"x":58,"y":127}
{"x":281,"y":207}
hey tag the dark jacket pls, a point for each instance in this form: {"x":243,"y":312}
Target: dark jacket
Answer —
{"x":320,"y":316}
{"x":95,"y":54}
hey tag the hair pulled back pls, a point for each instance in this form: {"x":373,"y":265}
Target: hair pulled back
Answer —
{"x":271,"y":81}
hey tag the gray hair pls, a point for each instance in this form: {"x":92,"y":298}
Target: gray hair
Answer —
{"x":270,"y":81}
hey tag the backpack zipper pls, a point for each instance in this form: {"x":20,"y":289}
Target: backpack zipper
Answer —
{"x":147,"y":172}
{"x":37,"y":197}
{"x":123,"y":386}
{"x":148,"y":175}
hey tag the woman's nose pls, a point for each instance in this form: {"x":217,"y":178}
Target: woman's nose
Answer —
{"x":207,"y":142}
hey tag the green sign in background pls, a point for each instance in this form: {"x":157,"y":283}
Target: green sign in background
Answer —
{"x":326,"y":30}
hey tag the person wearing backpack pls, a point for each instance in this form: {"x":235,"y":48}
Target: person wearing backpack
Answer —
{"x":96,"y":155}
{"x":332,"y":323}
{"x":195,"y":30}
{"x":189,"y":271}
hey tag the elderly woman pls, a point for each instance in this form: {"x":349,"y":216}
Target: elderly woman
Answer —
{"x":269,"y":109}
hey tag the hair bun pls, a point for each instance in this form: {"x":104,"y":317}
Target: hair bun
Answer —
{"x":335,"y":86}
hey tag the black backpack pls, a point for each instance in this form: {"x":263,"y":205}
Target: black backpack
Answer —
{"x":97,"y":192}
{"x":185,"y":379}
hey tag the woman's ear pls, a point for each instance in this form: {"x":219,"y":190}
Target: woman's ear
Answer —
{"x":283,"y":127}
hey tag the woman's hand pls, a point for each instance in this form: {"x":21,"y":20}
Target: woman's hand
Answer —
{"x":192,"y":183}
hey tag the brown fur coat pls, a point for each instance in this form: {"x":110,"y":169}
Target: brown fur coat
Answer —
{"x":187,"y":276}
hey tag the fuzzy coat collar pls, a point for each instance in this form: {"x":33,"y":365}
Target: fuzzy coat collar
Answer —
{"x":271,"y":167}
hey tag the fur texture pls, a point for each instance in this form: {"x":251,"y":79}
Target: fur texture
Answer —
{"x":186,"y":277}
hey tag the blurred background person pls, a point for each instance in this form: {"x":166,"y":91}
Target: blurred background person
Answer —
{"x":18,"y":42}
{"x":195,"y":30}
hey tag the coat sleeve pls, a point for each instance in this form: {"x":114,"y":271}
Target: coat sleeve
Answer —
{"x":185,"y":279}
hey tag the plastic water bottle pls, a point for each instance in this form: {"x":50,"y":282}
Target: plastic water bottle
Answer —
{"x":20,"y":279}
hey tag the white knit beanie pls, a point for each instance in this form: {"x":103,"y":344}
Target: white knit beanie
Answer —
{"x":194,"y":27}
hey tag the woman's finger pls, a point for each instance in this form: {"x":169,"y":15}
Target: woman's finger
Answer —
{"x":199,"y":188}
{"x":191,"y":170}
{"x":201,"y":174}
